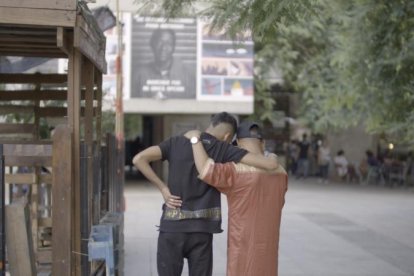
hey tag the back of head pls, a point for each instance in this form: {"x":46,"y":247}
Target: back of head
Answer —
{"x":224,"y":118}
{"x":223,"y":125}
{"x":249,"y":137}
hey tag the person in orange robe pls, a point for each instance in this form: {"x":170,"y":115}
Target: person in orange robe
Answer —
{"x":255,"y":201}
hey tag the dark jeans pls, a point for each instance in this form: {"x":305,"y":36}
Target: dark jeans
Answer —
{"x":324,"y":171}
{"x":174,"y":247}
{"x":303,"y":167}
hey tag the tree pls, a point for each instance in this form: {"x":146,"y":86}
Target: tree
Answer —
{"x":351,"y":59}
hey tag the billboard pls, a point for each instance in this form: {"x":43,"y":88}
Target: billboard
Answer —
{"x":181,"y":66}
{"x":164,"y":58}
{"x":226,"y":66}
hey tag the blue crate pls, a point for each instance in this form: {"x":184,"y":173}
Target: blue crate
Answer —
{"x":101,"y":246}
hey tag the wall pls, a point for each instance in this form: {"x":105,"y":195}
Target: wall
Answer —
{"x":354,"y":141}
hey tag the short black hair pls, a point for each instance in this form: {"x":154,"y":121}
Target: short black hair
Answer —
{"x":226,"y":118}
{"x":156,"y":35}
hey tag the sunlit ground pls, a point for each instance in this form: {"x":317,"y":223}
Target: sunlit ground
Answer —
{"x":333,"y":229}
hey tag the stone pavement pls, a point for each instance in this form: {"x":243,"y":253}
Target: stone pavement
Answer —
{"x":327,"y":230}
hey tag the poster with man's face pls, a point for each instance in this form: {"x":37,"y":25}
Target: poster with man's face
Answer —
{"x":163,"y":58}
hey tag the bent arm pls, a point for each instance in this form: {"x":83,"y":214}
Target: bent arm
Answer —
{"x":142,"y":162}
{"x":260,"y":161}
{"x":200,"y":156}
{"x":221,"y":176}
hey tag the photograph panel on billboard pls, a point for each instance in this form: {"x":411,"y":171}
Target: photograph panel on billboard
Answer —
{"x":226,"y":66}
{"x":163,"y":58}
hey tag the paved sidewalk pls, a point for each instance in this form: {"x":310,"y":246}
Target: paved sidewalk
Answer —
{"x":327,"y":230}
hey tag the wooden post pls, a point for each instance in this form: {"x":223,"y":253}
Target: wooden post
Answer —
{"x":88,"y":124}
{"x":2,"y":217}
{"x":62,"y":214}
{"x":74,"y":93}
{"x":99,"y":109}
{"x":84,"y":209}
{"x":19,"y":241}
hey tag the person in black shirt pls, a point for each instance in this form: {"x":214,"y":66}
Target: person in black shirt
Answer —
{"x":192,"y":213}
{"x":303,"y":161}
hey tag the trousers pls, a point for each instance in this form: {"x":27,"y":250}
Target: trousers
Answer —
{"x":173,"y":248}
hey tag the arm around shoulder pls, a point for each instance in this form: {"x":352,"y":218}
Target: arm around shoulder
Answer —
{"x":260,"y":161}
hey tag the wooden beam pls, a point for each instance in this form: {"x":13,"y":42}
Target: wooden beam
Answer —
{"x":27,"y":46}
{"x":33,"y":78}
{"x":44,"y":255}
{"x":62,"y":211}
{"x":21,"y":178}
{"x":94,"y":50}
{"x":74,"y":87}
{"x":19,"y":141}
{"x":28,"y":178}
{"x":62,"y":40}
{"x":89,"y":83}
{"x":43,"y":95}
{"x":52,"y":112}
{"x":2,"y":215}
{"x":59,"y":111}
{"x":16,"y":128}
{"x":99,"y":109}
{"x":27,"y":30}
{"x":28,"y":150}
{"x":86,"y":25}
{"x":30,"y":161}
{"x":28,"y":38}
{"x":8,"y":109}
{"x":19,"y":241}
{"x":42,"y":111}
{"x":40,"y":4}
{"x":30,"y":95}
{"x":43,"y":17}
{"x":31,"y":53}
{"x":45,"y":222}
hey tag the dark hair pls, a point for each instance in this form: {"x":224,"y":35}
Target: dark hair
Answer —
{"x":156,"y":35}
{"x":224,"y":118}
{"x":369,"y":153}
{"x":340,"y":152}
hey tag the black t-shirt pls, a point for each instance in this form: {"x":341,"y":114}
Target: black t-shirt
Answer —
{"x":200,"y":211}
{"x":303,"y":149}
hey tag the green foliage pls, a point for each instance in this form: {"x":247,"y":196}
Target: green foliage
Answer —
{"x":353,"y":60}
{"x":358,"y":65}
{"x":108,"y":122}
{"x":132,"y":126}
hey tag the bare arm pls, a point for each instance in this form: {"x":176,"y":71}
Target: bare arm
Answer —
{"x":251,"y":159}
{"x":200,"y":154}
{"x":142,"y":162}
{"x":260,"y":161}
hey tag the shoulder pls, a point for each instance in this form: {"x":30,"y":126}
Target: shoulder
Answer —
{"x":243,"y":168}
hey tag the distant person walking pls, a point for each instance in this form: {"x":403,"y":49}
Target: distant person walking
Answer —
{"x":324,"y":158}
{"x":303,"y":160}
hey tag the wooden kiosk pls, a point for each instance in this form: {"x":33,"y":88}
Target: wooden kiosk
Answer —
{"x":84,"y":171}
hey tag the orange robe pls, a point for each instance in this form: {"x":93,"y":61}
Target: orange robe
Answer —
{"x":255,"y":201}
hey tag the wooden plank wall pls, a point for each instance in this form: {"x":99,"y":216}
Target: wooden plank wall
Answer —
{"x":40,"y":4}
{"x":19,"y":241}
{"x":32,"y":156}
{"x":2,"y":216}
{"x":83,"y":111}
{"x":62,"y":214}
